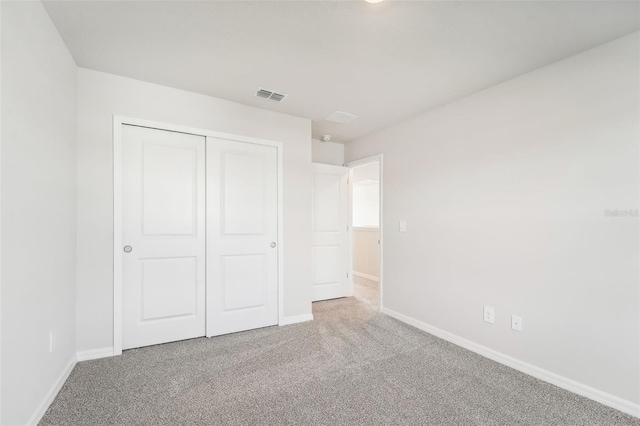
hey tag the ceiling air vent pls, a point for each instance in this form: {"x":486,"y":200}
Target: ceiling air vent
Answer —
{"x":270,"y":95}
{"x":341,"y":117}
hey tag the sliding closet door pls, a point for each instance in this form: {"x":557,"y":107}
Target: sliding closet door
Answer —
{"x":242,"y":221}
{"x":163,"y":253}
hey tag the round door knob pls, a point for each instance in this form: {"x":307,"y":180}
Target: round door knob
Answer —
{"x":273,"y":244}
{"x":128,"y":249}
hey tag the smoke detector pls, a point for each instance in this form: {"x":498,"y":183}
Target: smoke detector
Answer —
{"x":270,"y":95}
{"x":325,"y":138}
{"x":341,"y":117}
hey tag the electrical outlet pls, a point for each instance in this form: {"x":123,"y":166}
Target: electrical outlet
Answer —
{"x":489,"y":314}
{"x":403,"y":226}
{"x":50,"y":341}
{"x":516,"y":323}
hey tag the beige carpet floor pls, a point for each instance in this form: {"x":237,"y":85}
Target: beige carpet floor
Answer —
{"x":350,"y":366}
{"x":366,"y":291}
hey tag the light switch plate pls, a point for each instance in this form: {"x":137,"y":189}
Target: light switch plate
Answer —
{"x":403,"y":225}
{"x":489,"y":314}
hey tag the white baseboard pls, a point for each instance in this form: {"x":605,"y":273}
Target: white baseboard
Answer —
{"x":367,"y":276}
{"x":296,"y":319}
{"x":51,"y":395}
{"x":94,"y":354}
{"x":605,"y":398}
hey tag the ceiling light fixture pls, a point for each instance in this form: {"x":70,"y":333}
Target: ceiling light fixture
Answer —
{"x":373,"y":1}
{"x":325,"y":138}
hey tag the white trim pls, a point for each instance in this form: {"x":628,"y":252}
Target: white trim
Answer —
{"x":367,"y":276}
{"x":605,"y":398}
{"x":0,"y":217}
{"x":295,"y":319}
{"x":363,"y":229}
{"x":53,"y":392}
{"x":118,"y":122}
{"x":281,"y":233}
{"x":94,"y":354}
{"x":363,"y":161}
{"x":117,"y":234}
{"x":351,"y":164}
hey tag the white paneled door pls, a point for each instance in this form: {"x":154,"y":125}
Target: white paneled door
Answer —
{"x":163,"y":236}
{"x":330,"y":232}
{"x":242,"y":232}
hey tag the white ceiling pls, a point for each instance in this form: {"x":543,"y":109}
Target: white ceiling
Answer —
{"x":383,"y":62}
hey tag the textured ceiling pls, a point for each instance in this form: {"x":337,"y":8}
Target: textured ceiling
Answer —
{"x":383,"y":62}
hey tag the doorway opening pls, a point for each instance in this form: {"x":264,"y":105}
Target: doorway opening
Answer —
{"x":366,"y":227}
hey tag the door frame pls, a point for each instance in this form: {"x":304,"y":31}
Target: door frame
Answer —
{"x":118,"y":122}
{"x":351,"y":165}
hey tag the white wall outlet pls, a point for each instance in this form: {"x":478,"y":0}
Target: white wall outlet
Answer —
{"x":489,"y":315}
{"x":516,"y":323}
{"x":403,"y":225}
{"x":50,"y":341}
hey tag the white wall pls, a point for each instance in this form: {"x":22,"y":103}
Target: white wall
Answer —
{"x":366,"y":204}
{"x":327,"y":152}
{"x":100,"y":96}
{"x":366,"y":219}
{"x":38,"y":209}
{"x":366,"y":253}
{"x":505,"y":193}
{"x":366,"y":195}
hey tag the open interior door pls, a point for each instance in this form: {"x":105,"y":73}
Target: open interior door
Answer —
{"x":330,"y":232}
